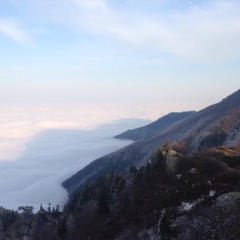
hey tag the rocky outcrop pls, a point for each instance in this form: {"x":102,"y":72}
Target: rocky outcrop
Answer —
{"x":171,"y":160}
{"x":229,"y":200}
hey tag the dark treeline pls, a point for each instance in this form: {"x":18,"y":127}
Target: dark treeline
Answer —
{"x":173,"y":196}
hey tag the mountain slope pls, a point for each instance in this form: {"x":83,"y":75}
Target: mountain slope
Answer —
{"x":190,"y":200}
{"x":152,"y":128}
{"x":215,"y":125}
{"x":128,"y":205}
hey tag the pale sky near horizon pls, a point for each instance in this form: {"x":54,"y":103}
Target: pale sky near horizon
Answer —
{"x":128,"y":51}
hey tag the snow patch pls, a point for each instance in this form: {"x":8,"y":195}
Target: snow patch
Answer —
{"x":186,"y":206}
{"x":212,"y":193}
{"x":193,"y":170}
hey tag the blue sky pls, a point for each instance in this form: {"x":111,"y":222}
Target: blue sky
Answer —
{"x":101,"y":51}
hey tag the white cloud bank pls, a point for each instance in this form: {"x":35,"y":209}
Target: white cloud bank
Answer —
{"x":41,"y":147}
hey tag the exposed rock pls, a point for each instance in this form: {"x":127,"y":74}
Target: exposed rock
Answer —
{"x":171,"y":160}
{"x":229,"y":200}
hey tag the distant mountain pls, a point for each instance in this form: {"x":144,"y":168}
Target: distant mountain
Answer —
{"x":215,"y":125}
{"x":152,"y":128}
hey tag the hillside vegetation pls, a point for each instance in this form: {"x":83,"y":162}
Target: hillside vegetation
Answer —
{"x":173,"y":196}
{"x":154,"y":127}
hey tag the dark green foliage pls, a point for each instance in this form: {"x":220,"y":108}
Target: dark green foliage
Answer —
{"x":7,"y":218}
{"x":206,"y":166}
{"x":104,"y":200}
{"x":148,"y":203}
{"x":128,"y":203}
{"x":217,"y":138}
{"x":61,"y":232}
{"x":26,"y":210}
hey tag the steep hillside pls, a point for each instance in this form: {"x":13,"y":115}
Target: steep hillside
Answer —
{"x":215,"y":125}
{"x":173,"y":196}
{"x":190,"y":201}
{"x":152,"y":128}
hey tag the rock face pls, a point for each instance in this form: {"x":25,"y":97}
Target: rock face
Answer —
{"x":152,"y":128}
{"x":171,"y":160}
{"x":215,"y":125}
{"x":229,"y":200}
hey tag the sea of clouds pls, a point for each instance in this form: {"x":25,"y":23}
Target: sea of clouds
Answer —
{"x":41,"y":146}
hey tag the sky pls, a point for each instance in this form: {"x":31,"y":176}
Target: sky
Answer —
{"x":123,"y":52}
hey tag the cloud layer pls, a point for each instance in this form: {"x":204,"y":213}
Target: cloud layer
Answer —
{"x":201,"y":30}
{"x":42,"y":146}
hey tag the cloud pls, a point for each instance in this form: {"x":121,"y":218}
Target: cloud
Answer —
{"x":41,"y":146}
{"x":208,"y":32}
{"x":10,"y":29}
{"x":202,"y":30}
{"x":205,"y":32}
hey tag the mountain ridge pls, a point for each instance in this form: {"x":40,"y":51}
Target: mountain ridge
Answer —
{"x":197,"y":131}
{"x":152,"y":128}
